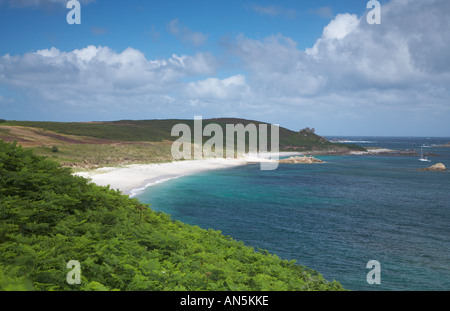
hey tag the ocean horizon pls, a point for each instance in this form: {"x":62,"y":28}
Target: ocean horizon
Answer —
{"x":333,"y":217}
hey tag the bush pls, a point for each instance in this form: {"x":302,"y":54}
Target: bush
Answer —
{"x":55,"y":149}
{"x":2,"y":120}
{"x":49,"y":216}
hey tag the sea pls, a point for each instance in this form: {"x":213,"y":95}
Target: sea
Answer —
{"x":370,"y":222}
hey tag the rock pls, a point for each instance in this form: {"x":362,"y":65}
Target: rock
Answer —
{"x":447,"y":145}
{"x":304,"y":159}
{"x":435,"y":167}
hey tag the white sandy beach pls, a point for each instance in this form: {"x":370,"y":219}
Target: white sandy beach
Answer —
{"x":131,"y":179}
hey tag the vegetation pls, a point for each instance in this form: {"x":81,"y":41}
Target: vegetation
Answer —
{"x":160,"y":130}
{"x":122,"y":131}
{"x":89,"y":156}
{"x":98,"y":144}
{"x":49,"y":217}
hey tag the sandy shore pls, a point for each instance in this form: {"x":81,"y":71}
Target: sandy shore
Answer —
{"x":131,"y":179}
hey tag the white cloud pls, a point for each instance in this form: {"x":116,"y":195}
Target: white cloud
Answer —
{"x":357,"y":70}
{"x":52,"y":53}
{"x":410,"y":49}
{"x":98,"y":78}
{"x":213,"y":89}
{"x":277,"y":68}
{"x":341,"y":26}
{"x":105,"y":66}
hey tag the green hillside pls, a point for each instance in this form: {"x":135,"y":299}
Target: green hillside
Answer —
{"x":160,"y":130}
{"x":49,"y":217}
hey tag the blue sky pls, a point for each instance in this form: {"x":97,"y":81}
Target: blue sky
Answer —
{"x":295,"y":63}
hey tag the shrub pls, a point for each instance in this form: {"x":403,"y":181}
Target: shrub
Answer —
{"x":49,"y":216}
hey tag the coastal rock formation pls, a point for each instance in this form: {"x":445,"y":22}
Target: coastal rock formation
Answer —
{"x":447,"y":145}
{"x":385,"y":151}
{"x":304,"y":159}
{"x":435,"y":167}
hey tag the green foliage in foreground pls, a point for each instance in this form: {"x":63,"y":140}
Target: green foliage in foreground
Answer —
{"x":49,"y":217}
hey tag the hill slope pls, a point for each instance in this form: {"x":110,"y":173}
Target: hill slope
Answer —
{"x":160,"y":130}
{"x":49,"y":217}
{"x":95,"y":144}
{"x":33,"y":136}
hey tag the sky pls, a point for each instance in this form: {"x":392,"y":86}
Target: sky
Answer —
{"x":298,"y":64}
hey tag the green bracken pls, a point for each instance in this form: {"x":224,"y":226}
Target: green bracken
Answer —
{"x":49,"y":217}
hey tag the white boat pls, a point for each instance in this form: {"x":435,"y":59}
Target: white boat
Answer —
{"x":422,"y":158}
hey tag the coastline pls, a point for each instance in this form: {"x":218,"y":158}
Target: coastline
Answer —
{"x":131,"y":179}
{"x":134,"y":178}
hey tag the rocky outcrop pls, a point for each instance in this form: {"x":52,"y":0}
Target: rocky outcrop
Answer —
{"x":303,"y":159}
{"x":447,"y":145}
{"x":435,"y":167}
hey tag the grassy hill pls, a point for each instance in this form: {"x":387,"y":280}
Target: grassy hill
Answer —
{"x":49,"y":217}
{"x":92,"y":144}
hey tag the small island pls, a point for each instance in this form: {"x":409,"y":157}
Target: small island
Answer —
{"x":304,"y":159}
{"x":435,"y":167}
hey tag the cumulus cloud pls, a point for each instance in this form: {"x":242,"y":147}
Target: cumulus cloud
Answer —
{"x":97,"y":76}
{"x":410,"y":47}
{"x":277,"y":67}
{"x":356,"y":71}
{"x":125,"y":70}
{"x":409,"y":52}
{"x":341,"y":26}
{"x":213,"y":89}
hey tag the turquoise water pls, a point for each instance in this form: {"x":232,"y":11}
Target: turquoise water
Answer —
{"x":332,"y":217}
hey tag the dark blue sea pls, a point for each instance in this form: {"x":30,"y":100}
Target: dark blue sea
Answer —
{"x":333,"y":217}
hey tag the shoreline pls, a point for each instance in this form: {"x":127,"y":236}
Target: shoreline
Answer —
{"x":134,"y":178}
